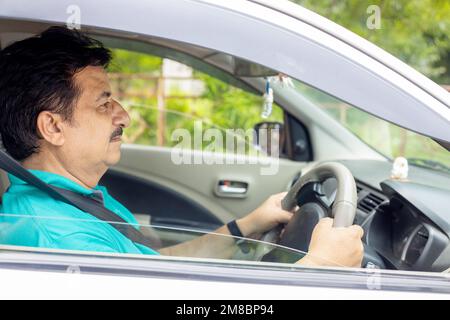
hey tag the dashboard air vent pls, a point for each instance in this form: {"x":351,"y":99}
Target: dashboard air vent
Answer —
{"x":368,"y":200}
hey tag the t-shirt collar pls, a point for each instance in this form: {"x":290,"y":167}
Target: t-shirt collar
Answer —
{"x":57,"y":181}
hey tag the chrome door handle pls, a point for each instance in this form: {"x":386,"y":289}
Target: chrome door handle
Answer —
{"x":235,"y":190}
{"x":231,"y":189}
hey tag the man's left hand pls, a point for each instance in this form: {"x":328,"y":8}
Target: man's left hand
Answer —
{"x":266,"y":217}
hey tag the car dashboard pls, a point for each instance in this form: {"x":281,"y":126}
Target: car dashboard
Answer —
{"x":406,"y":223}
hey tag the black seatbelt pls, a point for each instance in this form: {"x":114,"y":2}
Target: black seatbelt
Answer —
{"x":84,"y":203}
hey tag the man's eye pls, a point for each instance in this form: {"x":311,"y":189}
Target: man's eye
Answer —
{"x":105,"y":106}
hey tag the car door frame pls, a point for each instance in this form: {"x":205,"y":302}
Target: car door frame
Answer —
{"x":269,"y":276}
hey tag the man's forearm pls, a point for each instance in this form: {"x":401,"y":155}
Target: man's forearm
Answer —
{"x":218,"y":244}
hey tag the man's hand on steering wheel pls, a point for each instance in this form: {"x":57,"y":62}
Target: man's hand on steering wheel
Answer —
{"x":329,"y":246}
{"x":266,"y":217}
{"x":330,"y":242}
{"x":340,"y":247}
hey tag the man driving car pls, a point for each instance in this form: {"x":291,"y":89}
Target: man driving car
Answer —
{"x":59,"y":119}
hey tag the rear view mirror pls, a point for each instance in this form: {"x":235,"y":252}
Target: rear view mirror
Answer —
{"x":269,"y":138}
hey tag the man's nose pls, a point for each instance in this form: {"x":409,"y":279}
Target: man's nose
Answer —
{"x":120,"y":117}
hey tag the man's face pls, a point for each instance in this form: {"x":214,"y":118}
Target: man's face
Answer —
{"x":94,"y":135}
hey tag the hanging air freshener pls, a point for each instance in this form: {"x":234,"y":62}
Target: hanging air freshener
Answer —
{"x":267,"y":101}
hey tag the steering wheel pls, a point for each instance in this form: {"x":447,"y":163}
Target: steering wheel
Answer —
{"x":307,"y":193}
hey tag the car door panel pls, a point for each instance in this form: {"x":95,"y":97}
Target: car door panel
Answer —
{"x":165,"y":206}
{"x":152,"y":169}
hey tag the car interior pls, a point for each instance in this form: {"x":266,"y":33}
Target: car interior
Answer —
{"x":407,"y":224}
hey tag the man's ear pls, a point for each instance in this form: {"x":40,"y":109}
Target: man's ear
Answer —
{"x":50,"y":127}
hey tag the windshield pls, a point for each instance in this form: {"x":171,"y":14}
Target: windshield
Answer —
{"x":102,"y":237}
{"x":388,"y":139}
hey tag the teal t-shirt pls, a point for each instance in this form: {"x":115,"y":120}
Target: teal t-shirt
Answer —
{"x":30,"y":217}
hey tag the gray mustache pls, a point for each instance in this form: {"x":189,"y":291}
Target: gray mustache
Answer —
{"x":117,"y":133}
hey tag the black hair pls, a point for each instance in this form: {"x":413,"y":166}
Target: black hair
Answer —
{"x":37,"y":74}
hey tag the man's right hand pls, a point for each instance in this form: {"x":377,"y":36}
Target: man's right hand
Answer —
{"x":330,"y":246}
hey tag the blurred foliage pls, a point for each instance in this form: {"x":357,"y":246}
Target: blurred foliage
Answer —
{"x":129,"y":62}
{"x":221,"y":106}
{"x":233,"y":107}
{"x":415,"y":31}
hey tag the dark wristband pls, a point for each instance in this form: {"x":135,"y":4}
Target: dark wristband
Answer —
{"x":239,"y":237}
{"x":234,"y":229}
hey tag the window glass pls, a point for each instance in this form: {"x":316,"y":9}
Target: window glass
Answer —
{"x":387,"y":138}
{"x":162,"y":95}
{"x":101,"y":237}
